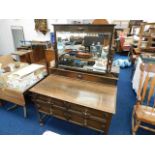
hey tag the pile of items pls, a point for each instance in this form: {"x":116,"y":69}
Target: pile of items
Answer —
{"x":26,"y":77}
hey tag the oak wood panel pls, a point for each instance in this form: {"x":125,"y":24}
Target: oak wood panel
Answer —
{"x":83,"y":28}
{"x":107,"y":78}
{"x":13,"y":96}
{"x":80,"y":92}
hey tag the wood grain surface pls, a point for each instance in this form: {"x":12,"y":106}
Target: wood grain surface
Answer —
{"x":89,"y":94}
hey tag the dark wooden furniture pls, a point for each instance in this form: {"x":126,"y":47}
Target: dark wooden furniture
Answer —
{"x":38,"y":51}
{"x":49,"y":58}
{"x":88,"y":104}
{"x":144,"y":110}
{"x":81,"y":96}
{"x":24,"y":55}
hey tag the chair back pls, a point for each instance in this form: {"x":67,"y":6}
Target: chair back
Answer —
{"x":146,"y":91}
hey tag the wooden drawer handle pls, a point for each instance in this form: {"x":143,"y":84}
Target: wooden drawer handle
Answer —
{"x":79,"y":76}
{"x":49,"y":102}
{"x":67,"y":115}
{"x":80,"y":29}
{"x":66,"y":105}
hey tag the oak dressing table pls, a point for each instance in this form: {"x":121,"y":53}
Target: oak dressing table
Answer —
{"x":77,"y":90}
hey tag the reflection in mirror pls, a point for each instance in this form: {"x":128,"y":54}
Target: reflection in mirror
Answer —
{"x":86,"y":51}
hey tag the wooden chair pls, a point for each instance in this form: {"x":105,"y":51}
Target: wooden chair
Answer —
{"x":144,"y":110}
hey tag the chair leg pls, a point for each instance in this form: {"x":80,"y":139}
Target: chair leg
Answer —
{"x":25,"y":111}
{"x":133,"y":133}
{"x":136,"y":126}
{"x":135,"y":123}
{"x":1,"y":104}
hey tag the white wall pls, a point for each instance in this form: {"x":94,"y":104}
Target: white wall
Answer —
{"x":6,"y":39}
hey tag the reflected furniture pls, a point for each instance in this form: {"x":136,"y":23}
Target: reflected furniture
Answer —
{"x":146,"y":43}
{"x":133,"y":25}
{"x":85,"y":48}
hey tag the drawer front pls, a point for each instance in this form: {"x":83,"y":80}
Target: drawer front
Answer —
{"x":104,"y":78}
{"x":77,"y":114}
{"x":40,"y":98}
{"x":77,"y":108}
{"x":98,"y":120}
{"x":97,"y":113}
{"x":96,"y":124}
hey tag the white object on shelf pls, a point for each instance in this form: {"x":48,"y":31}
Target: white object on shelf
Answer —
{"x":25,"y":71}
{"x":100,"y":65}
{"x":26,"y":77}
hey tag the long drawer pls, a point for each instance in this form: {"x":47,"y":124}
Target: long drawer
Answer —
{"x":84,"y":116}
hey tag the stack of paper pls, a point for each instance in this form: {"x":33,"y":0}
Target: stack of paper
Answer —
{"x":26,"y":77}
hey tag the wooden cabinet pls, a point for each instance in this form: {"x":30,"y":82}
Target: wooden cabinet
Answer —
{"x":24,"y":55}
{"x":50,"y":58}
{"x":37,"y":54}
{"x":77,"y":101}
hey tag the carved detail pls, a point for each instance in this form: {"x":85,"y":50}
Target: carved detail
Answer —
{"x":41,"y":25}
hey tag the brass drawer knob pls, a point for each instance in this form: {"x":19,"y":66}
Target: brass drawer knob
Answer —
{"x":67,"y":115}
{"x":79,"y":76}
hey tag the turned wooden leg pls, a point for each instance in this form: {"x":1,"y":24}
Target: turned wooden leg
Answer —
{"x":40,"y":118}
{"x":136,"y":127}
{"x":1,"y":104}
{"x":25,"y":112}
{"x":41,"y":122}
{"x":135,"y":123}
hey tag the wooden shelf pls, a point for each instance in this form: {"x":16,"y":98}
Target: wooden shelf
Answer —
{"x":149,"y":36}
